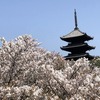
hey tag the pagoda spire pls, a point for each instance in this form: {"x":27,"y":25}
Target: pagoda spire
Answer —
{"x":75,"y":16}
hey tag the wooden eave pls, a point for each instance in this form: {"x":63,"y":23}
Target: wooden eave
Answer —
{"x":84,"y":46}
{"x":76,"y":35}
{"x":77,"y":56}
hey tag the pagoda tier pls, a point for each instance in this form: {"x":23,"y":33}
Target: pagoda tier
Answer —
{"x":77,"y":56}
{"x":75,"y":48}
{"x":75,"y":36}
{"x":76,"y":43}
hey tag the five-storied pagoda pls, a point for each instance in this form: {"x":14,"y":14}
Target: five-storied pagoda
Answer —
{"x":76,"y":43}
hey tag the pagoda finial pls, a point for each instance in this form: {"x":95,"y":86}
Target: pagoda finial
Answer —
{"x":75,"y":15}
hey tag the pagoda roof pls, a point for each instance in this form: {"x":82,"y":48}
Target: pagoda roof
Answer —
{"x":70,"y":47}
{"x":74,"y":33}
{"x":76,"y":56}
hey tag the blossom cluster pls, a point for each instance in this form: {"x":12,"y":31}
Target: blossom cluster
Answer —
{"x":28,"y":72}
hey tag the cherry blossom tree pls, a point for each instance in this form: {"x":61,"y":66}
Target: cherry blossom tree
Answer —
{"x":28,"y":72}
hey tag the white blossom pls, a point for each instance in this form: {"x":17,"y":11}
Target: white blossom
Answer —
{"x":97,"y":79}
{"x":28,"y":72}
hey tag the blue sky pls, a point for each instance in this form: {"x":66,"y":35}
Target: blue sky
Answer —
{"x":47,"y":20}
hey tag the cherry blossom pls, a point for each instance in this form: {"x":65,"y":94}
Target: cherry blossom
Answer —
{"x":29,"y":72}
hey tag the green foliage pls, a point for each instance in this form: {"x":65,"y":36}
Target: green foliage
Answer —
{"x":96,"y":61}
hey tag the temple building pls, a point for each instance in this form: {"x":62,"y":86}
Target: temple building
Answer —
{"x":77,"y":45}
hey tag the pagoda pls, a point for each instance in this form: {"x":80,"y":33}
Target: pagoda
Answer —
{"x":77,"y":45}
